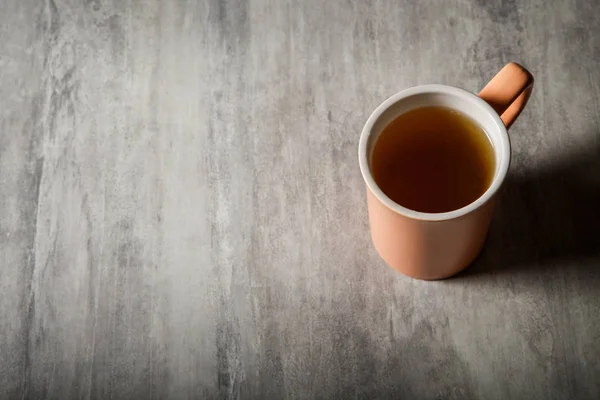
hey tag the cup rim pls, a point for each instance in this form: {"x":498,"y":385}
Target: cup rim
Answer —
{"x":434,"y":89}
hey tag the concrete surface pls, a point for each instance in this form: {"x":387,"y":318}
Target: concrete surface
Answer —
{"x":182,"y":213}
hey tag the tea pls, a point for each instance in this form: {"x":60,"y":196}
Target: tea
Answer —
{"x":433,"y":159}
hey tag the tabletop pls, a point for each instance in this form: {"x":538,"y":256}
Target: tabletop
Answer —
{"x":182,"y":214}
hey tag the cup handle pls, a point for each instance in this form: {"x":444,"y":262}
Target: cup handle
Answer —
{"x":508,"y":92}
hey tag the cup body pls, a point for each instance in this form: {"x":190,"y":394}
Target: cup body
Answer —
{"x":431,"y":245}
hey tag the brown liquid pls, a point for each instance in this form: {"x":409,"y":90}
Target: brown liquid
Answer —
{"x":433,"y":160}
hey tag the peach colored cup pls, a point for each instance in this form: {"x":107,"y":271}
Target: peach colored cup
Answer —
{"x":436,"y":246}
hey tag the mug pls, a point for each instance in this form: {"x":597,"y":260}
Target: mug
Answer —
{"x":438,"y":245}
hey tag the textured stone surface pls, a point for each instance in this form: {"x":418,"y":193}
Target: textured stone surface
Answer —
{"x":182,"y":213}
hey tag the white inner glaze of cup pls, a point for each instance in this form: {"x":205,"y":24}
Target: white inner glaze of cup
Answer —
{"x":443,"y":96}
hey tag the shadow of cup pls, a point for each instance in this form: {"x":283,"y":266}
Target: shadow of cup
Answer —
{"x":545,"y":218}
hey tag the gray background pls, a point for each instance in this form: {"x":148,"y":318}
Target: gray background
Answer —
{"x":182,"y":214}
